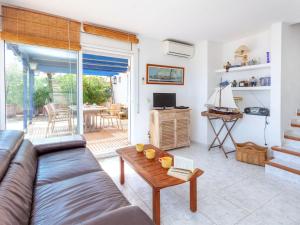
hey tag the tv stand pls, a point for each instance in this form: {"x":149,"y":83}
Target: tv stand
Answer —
{"x":170,"y":128}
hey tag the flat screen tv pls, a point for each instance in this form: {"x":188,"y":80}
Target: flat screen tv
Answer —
{"x":164,"y":100}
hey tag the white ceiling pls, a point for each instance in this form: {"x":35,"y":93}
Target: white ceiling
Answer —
{"x":186,"y":20}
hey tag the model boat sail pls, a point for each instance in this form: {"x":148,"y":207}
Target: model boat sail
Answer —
{"x":222,"y":101}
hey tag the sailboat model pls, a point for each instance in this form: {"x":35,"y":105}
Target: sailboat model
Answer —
{"x":222,"y":101}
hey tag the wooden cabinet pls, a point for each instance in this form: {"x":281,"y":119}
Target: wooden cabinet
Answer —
{"x":170,"y":128}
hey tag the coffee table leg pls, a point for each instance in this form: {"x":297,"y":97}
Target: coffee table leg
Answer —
{"x":193,"y":195}
{"x":122,"y":178}
{"x":156,"y":205}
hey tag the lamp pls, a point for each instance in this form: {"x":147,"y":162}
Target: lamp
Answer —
{"x":33,"y":65}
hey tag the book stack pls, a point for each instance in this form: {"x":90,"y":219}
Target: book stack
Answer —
{"x":183,"y":168}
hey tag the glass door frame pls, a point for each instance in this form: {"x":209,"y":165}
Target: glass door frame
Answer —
{"x":3,"y":88}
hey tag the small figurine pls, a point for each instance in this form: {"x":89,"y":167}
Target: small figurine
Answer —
{"x":244,"y":83}
{"x":253,"y":82}
{"x":227,"y":66}
{"x":234,"y":83}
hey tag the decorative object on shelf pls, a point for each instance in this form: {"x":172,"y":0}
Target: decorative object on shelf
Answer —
{"x":265,"y":81}
{"x":224,"y":83}
{"x":227,"y":66}
{"x":222,"y":101}
{"x":159,"y":74}
{"x":234,"y":83}
{"x":253,"y":62}
{"x":242,"y":52}
{"x":268,"y":57}
{"x":253,"y":82}
{"x":244,"y":83}
{"x":252,"y":153}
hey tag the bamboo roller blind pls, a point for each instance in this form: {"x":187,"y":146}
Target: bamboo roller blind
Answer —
{"x":110,"y":33}
{"x":35,"y":28}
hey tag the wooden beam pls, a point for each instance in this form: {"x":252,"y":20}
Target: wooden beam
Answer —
{"x":110,"y":33}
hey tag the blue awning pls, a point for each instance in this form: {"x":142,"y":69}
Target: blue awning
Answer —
{"x":103,"y":65}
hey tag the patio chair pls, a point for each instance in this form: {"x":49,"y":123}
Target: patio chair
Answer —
{"x":113,"y":113}
{"x":57,"y":115}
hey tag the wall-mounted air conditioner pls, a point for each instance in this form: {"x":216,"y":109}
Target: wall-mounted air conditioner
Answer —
{"x":178,"y":49}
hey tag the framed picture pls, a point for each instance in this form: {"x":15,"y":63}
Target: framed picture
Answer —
{"x":158,"y":74}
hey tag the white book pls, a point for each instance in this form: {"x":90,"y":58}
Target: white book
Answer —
{"x":183,"y":163}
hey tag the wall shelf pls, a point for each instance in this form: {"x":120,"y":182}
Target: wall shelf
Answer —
{"x":245,"y":68}
{"x":259,"y":88}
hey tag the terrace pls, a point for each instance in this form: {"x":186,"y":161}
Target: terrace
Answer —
{"x":47,"y":105}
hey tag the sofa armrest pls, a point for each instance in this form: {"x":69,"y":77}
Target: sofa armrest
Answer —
{"x":59,"y":143}
{"x":129,"y":215}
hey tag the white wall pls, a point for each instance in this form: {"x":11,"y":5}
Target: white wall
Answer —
{"x":250,"y":128}
{"x":151,"y":53}
{"x":258,"y":44}
{"x":214,"y":56}
{"x":120,"y":89}
{"x":148,"y":51}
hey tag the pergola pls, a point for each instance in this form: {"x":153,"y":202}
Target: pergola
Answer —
{"x":52,"y":61}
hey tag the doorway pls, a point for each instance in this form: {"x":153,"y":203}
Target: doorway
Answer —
{"x":106,"y":103}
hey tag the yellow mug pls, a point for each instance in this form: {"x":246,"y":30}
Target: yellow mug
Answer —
{"x":139,"y":147}
{"x":166,"y":162}
{"x":149,"y":153}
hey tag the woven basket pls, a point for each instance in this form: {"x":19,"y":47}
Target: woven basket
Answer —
{"x":252,"y":153}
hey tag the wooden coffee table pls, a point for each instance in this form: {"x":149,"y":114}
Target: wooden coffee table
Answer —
{"x":156,"y":176}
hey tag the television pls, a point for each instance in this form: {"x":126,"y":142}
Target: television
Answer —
{"x":164,"y":100}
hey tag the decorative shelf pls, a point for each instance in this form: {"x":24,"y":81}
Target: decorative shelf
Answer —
{"x":245,"y":68}
{"x":259,"y":88}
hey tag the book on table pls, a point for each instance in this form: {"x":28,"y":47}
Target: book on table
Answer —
{"x":183,"y":168}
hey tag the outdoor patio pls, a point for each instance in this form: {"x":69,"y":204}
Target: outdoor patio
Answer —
{"x":102,"y":142}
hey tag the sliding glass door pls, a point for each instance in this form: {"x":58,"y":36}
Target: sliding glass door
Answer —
{"x":41,"y":90}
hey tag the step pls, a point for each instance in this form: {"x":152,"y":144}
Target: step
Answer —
{"x":284,"y":170}
{"x":291,"y":143}
{"x":292,"y":135}
{"x":287,"y":154}
{"x":295,"y":123}
{"x":287,"y":149}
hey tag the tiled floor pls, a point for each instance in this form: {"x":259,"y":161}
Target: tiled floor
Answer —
{"x":229,"y":192}
{"x":103,"y":143}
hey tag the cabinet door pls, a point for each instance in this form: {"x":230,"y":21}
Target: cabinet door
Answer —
{"x":167,"y":134}
{"x":182,"y":132}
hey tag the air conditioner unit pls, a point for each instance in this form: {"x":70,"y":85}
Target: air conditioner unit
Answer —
{"x":178,"y":49}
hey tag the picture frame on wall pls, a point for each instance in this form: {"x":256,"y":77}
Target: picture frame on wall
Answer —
{"x":168,"y":75}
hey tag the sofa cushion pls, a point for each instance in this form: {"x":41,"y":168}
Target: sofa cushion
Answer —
{"x":17,"y":186}
{"x":76,"y":199}
{"x":62,"y":165}
{"x":9,"y":143}
{"x":53,"y":144}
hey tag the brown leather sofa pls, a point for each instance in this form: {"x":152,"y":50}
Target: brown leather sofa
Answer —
{"x":58,"y":182}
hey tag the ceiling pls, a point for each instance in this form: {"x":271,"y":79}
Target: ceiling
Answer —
{"x":185,"y":20}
